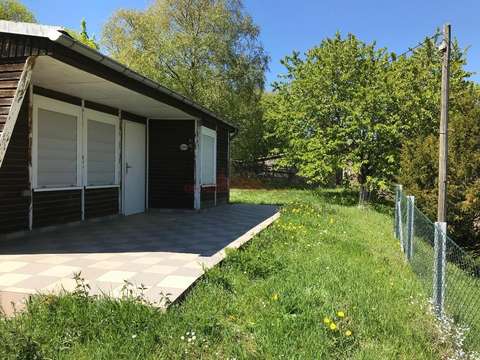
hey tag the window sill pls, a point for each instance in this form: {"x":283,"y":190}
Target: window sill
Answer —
{"x":101,"y":186}
{"x":208,"y":185}
{"x":57,"y":189}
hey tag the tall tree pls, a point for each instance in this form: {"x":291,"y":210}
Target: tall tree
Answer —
{"x":334,"y":109}
{"x":208,"y":50}
{"x":14,"y":10}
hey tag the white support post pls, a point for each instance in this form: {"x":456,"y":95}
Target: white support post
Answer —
{"x":121,"y":199}
{"x":84,"y":124}
{"x":440,"y":248}
{"x":147,"y":166}
{"x":410,"y":226}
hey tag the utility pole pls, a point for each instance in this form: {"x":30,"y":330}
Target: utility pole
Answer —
{"x":443,"y":140}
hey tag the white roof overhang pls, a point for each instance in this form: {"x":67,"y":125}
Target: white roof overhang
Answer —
{"x":60,"y":36}
{"x":55,"y":75}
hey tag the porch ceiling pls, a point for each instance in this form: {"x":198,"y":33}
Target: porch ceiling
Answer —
{"x":56,"y":75}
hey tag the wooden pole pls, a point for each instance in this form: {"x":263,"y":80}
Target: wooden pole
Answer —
{"x":443,"y":136}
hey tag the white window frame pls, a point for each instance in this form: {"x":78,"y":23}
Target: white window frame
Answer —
{"x":211,"y":133}
{"x":94,"y":115}
{"x":42,"y":102}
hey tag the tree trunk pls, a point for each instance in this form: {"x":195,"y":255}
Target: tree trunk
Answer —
{"x":364,"y":194}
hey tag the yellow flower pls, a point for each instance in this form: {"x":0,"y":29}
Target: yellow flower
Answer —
{"x":275,"y":297}
{"x":341,"y":314}
{"x":333,"y":326}
{"x":348,"y":333}
{"x":326,"y":320}
{"x":332,"y":221}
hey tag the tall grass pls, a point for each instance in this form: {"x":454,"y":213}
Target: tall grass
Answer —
{"x":323,"y":282}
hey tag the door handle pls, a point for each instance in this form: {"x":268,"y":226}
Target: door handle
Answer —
{"x":128,"y":167}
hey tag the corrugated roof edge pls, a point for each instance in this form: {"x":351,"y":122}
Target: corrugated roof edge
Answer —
{"x":61,"y":36}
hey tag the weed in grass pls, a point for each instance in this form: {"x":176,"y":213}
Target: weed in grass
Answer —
{"x":268,"y":300}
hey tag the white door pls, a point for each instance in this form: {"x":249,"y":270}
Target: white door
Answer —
{"x":134,"y":167}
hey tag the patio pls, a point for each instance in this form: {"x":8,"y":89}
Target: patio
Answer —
{"x":165,"y":251}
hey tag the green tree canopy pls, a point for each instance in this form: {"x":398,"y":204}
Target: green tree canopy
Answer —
{"x":335,"y":110}
{"x":83,"y":36}
{"x":208,"y":50}
{"x":14,"y":10}
{"x":349,"y":105}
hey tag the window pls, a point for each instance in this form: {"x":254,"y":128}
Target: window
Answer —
{"x":64,"y":156}
{"x":56,"y":144}
{"x":208,"y":147}
{"x":101,"y":134}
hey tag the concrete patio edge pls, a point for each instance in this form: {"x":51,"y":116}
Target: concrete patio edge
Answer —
{"x":10,"y":296}
{"x":219,"y":256}
{"x":240,"y":241}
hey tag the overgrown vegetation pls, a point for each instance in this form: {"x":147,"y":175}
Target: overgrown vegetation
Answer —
{"x":324,"y":282}
{"x":351,"y":107}
{"x":14,"y":10}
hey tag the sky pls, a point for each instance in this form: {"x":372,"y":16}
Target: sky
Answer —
{"x":288,"y":25}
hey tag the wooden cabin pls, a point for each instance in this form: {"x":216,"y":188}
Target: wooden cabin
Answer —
{"x":83,"y":136}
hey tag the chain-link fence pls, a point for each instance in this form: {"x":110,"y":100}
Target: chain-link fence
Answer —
{"x":449,"y":274}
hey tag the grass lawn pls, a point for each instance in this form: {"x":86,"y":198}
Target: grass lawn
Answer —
{"x":269,"y":300}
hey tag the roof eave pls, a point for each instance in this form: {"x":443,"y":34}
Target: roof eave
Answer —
{"x":60,"y":36}
{"x":93,"y":54}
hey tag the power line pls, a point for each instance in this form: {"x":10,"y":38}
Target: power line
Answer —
{"x":434,"y":36}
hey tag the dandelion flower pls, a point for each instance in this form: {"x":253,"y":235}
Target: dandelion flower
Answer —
{"x":348,"y":333}
{"x":332,"y":221}
{"x":275,"y":297}
{"x":333,"y":326}
{"x":326,"y":320}
{"x":340,"y":314}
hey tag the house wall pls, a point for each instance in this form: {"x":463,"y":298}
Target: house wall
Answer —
{"x":56,"y":207}
{"x":220,"y":194}
{"x":59,"y":207}
{"x":10,"y":72}
{"x":15,"y":179}
{"x":171,"y":170}
{"x":101,"y":202}
{"x":223,"y":171}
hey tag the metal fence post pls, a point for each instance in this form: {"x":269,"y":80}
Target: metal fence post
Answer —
{"x":398,"y":197}
{"x":410,"y":226}
{"x":439,"y":266}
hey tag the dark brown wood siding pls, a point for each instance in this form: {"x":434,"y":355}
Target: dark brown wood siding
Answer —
{"x":22,"y":46}
{"x":207,"y":197}
{"x":52,"y":94}
{"x":14,"y":178}
{"x":222,"y":166}
{"x":133,"y":117}
{"x":171,"y":170}
{"x":10,"y":72}
{"x":101,"y":202}
{"x":56,"y":207}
